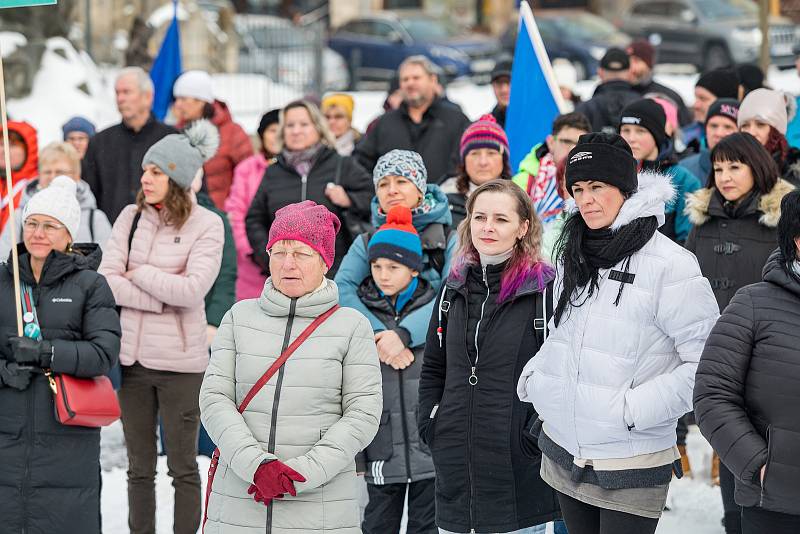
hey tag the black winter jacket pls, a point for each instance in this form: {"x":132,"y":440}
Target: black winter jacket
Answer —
{"x":50,"y":482}
{"x":605,"y":107}
{"x":747,"y":390}
{"x":732,"y":243}
{"x":397,"y":455}
{"x":282,"y":185}
{"x":113,"y":163}
{"x":436,"y":138}
{"x":487,"y":462}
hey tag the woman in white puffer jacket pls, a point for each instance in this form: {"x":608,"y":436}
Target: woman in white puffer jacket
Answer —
{"x":617,"y":371}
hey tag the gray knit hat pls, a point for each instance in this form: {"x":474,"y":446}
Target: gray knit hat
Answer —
{"x":405,"y":163}
{"x":181,"y":155}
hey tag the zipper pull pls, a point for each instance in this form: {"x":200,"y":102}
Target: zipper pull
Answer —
{"x":483,"y":269}
{"x":473,"y":379}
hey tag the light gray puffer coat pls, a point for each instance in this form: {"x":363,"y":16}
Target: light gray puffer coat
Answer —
{"x":315,"y":414}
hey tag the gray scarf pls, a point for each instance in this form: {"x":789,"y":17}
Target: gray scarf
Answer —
{"x":302,"y":160}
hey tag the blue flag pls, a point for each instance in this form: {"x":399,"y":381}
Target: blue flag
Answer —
{"x":167,"y":67}
{"x":535,"y":97}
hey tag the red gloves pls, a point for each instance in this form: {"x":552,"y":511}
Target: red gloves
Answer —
{"x":272,"y":480}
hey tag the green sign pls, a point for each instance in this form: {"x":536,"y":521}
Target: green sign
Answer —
{"x":26,"y":3}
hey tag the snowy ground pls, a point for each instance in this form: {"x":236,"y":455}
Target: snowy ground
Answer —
{"x":695,"y":506}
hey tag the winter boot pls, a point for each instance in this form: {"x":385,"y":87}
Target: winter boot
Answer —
{"x":715,"y":470}
{"x":685,"y":465}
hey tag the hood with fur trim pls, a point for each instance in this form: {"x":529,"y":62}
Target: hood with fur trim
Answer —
{"x":697,"y":204}
{"x":650,"y":199}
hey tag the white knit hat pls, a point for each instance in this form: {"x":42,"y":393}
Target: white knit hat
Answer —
{"x":765,"y":105}
{"x":59,"y":200}
{"x":194,"y":84}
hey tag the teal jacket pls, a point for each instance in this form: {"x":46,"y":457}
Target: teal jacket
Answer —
{"x":222,"y":295}
{"x":355,"y":268}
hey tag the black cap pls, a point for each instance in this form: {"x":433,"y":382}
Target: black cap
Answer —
{"x":615,"y":60}
{"x":270,"y":117}
{"x":722,"y":83}
{"x":649,"y":115}
{"x":502,"y":68}
{"x":602,"y":157}
{"x":750,"y":76}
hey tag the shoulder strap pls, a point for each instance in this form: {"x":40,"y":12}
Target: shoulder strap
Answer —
{"x":277,"y":364}
{"x":91,"y":225}
{"x":437,"y":255}
{"x":544,"y":312}
{"x":337,"y":178}
{"x":29,"y":316}
{"x":134,"y":224}
{"x":366,"y":236}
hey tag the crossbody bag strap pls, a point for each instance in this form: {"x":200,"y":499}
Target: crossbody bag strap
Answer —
{"x":285,"y":356}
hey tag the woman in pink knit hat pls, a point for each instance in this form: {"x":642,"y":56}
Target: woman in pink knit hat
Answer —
{"x":287,"y":460}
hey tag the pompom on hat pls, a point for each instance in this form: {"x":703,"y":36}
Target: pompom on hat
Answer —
{"x":397,"y":240}
{"x":309,"y":223}
{"x":58,"y":200}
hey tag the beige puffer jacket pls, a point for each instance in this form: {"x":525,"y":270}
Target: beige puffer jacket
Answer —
{"x":315,"y":414}
{"x":163,"y":305}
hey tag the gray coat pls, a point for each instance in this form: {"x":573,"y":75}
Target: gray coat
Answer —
{"x":314,"y":415}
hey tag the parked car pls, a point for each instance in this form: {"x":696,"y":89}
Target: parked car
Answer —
{"x":577,"y":36}
{"x":709,"y":33}
{"x":288,"y":54}
{"x":374,"y":46}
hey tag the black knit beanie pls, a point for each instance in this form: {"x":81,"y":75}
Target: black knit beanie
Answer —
{"x":269,"y":118}
{"x":724,"y":107}
{"x":722,"y":83}
{"x":648,"y":114}
{"x":602,"y":157}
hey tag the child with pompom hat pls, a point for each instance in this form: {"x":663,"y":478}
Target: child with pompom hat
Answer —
{"x":396,"y":460}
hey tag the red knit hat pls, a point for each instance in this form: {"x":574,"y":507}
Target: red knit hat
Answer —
{"x":645,"y":51}
{"x":484,"y":133}
{"x":310,"y":223}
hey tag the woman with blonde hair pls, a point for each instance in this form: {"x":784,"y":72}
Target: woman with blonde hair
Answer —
{"x":489,"y":320}
{"x":308,"y":168}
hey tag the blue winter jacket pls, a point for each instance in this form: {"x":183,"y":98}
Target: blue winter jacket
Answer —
{"x":793,"y":131}
{"x":355,"y":268}
{"x":699,"y":164}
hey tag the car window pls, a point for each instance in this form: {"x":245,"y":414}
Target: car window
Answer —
{"x":422,"y":29}
{"x":584,"y":26}
{"x":726,"y":9}
{"x":381,"y":29}
{"x":650,"y":9}
{"x":356,"y":26}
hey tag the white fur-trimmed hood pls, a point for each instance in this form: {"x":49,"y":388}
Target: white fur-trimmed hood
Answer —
{"x":650,"y":199}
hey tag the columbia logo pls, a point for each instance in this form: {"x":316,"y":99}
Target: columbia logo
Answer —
{"x":631,"y":120}
{"x":61,"y":299}
{"x":579,"y":156}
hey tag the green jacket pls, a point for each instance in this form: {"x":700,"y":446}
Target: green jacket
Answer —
{"x":222,"y":295}
{"x":529,"y":166}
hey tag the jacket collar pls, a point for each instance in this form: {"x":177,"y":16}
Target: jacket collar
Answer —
{"x":276,"y":304}
{"x":698,"y":204}
{"x":58,"y":264}
{"x":650,"y":199}
{"x":775,"y":273}
{"x":371,"y":296}
{"x":439,"y":213}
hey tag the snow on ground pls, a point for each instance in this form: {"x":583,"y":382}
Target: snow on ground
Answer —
{"x":695,"y":506}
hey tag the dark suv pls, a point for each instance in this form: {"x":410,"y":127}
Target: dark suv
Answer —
{"x":709,"y":33}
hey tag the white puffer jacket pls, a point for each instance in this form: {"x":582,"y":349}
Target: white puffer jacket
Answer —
{"x":315,"y":415}
{"x":636,"y":361}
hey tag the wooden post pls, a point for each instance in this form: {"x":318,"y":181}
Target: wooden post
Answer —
{"x":763,"y":23}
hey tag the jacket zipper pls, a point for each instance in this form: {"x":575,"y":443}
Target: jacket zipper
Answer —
{"x":26,"y":481}
{"x":473,"y":378}
{"x":403,"y":417}
{"x":275,"y":401}
{"x":303,"y":187}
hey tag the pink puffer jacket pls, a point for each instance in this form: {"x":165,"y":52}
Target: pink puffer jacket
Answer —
{"x":163,"y":308}
{"x":246,"y":178}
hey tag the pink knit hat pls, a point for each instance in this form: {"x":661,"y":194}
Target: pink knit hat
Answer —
{"x":484,"y":133}
{"x":310,"y":223}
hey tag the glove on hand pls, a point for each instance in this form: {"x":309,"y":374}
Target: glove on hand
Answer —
{"x":258,"y":496}
{"x":27,"y":351}
{"x":275,"y":478}
{"x":14,"y":377}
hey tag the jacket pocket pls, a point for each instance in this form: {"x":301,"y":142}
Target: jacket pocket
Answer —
{"x":529,"y":436}
{"x":779,"y":489}
{"x":427,"y":428}
{"x":382,"y":447}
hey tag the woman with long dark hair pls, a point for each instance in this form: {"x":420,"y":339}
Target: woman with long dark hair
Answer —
{"x":617,"y":371}
{"x":747,"y":393}
{"x":735,"y":219}
{"x":489,"y":319}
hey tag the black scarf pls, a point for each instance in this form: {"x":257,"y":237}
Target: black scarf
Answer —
{"x":602,"y":249}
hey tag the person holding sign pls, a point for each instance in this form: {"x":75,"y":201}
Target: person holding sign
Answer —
{"x":51,"y":480}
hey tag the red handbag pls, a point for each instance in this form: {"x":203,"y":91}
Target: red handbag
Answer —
{"x":88,"y":402}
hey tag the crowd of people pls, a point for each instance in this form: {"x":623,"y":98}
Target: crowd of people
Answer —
{"x":357,"y":326}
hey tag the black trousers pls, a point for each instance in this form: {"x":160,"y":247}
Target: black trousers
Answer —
{"x":385,"y":508}
{"x":582,"y":518}
{"x":760,"y":521}
{"x":733,"y":512}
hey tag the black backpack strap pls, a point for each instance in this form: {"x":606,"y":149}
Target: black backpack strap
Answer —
{"x":435,"y":238}
{"x":91,"y":224}
{"x":366,"y":236}
{"x":544,"y":312}
{"x":337,"y":178}
{"x":134,"y":224}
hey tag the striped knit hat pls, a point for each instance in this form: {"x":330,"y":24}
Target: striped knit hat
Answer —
{"x":484,"y":133}
{"x":397,"y":240}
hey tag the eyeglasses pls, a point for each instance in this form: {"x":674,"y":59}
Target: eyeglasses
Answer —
{"x":335,"y":117}
{"x":300,"y":256}
{"x":50,"y":229}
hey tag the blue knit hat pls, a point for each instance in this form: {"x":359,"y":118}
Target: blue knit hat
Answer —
{"x":397,"y":240}
{"x":78,"y":124}
{"x":405,"y":163}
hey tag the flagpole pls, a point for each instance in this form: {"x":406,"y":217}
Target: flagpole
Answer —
{"x":526,"y":13}
{"x":10,"y":222}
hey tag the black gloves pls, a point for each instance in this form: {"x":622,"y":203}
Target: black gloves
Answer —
{"x":14,"y":377}
{"x":27,"y":351}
